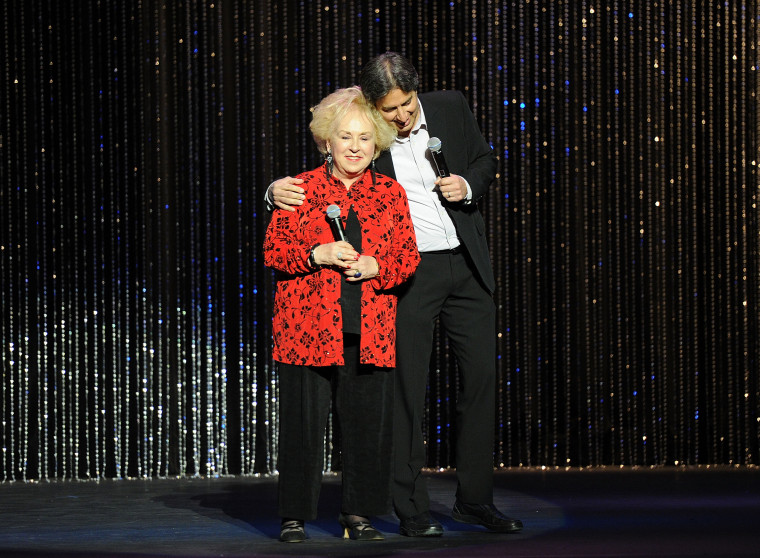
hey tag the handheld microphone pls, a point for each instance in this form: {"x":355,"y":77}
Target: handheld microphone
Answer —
{"x":434,"y":145}
{"x":333,"y":217}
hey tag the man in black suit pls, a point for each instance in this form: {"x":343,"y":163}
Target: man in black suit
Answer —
{"x":453,"y":283}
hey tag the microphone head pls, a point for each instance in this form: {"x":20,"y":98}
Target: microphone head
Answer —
{"x":434,"y":144}
{"x":333,"y":212}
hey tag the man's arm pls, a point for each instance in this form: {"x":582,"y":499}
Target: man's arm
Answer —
{"x":482,"y":163}
{"x":470,"y":159}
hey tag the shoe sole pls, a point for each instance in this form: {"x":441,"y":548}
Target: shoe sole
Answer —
{"x":376,"y":536}
{"x":293,"y":536}
{"x":429,"y":532}
{"x":474,"y":520}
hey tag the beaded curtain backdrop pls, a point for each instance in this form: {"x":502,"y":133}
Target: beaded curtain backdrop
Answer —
{"x":136,"y":142}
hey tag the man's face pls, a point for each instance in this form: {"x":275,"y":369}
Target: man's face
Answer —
{"x":400,"y":109}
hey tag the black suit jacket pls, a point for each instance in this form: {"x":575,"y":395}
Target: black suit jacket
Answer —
{"x":467,"y":154}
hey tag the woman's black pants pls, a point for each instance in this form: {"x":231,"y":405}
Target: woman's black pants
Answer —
{"x":363,"y":397}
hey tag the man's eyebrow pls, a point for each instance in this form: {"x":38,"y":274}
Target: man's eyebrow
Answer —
{"x":404,"y":102}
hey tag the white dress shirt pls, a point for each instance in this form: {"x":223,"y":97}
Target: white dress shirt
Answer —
{"x":415,"y":171}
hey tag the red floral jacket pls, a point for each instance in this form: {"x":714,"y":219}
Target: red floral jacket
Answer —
{"x":307,"y":325}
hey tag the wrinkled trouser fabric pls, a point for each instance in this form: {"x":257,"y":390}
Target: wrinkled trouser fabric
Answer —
{"x":363,"y":402}
{"x":445,"y":286}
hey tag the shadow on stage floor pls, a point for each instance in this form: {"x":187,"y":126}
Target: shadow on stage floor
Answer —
{"x":595,"y":512}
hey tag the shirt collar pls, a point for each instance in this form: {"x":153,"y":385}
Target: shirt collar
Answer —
{"x":421,"y":123}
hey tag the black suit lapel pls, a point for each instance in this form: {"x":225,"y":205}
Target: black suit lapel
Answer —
{"x":384,"y":164}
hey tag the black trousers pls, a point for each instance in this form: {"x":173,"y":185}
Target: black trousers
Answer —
{"x":363,"y":397}
{"x":445,"y":287}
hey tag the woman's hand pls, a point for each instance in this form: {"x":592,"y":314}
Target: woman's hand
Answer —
{"x":339,"y":254}
{"x":365,"y":267}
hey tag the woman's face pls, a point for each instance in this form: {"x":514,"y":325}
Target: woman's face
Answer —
{"x":352,"y":146}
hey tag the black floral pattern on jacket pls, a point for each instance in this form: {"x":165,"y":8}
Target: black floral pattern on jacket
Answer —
{"x":307,"y":322}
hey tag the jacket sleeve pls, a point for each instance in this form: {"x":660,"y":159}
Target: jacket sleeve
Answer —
{"x":482,"y":163}
{"x":400,"y":261}
{"x":285,"y":248}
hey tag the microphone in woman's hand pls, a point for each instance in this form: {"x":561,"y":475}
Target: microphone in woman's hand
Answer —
{"x":333,"y":217}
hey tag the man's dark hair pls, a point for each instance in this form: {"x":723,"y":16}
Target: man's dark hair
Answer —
{"x":386,"y":72}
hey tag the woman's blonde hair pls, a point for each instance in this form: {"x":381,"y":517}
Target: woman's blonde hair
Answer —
{"x":327,"y":115}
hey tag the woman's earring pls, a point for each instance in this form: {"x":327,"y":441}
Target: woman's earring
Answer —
{"x":329,"y":162}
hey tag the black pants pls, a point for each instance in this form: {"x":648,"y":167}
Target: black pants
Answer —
{"x":363,"y":398}
{"x":445,"y":287}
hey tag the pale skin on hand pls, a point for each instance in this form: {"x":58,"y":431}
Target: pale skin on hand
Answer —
{"x":342,"y":254}
{"x":453,"y":187}
{"x":286,"y":193}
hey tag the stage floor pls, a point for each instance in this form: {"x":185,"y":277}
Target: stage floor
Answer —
{"x":627,"y":512}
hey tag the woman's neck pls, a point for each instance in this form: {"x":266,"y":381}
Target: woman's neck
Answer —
{"x":349,"y":181}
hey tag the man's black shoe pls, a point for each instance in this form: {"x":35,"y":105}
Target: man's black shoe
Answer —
{"x":420,"y":525}
{"x":486,"y":515}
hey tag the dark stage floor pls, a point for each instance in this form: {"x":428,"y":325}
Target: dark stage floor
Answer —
{"x":580,"y":513}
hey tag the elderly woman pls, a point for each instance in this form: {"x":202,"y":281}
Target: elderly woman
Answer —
{"x":334,"y":318}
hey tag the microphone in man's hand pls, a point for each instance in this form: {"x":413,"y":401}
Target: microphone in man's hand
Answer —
{"x":434,"y":145}
{"x":333,"y":217}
